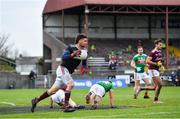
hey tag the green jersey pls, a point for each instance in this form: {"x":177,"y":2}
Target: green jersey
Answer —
{"x":140,"y":61}
{"x":106,"y":84}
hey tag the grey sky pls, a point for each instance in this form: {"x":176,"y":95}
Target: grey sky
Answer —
{"x":22,"y":20}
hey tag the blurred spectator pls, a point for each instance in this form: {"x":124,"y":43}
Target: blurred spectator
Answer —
{"x":113,"y":63}
{"x":173,"y":77}
{"x":93,"y":48}
{"x":129,"y":48}
{"x":32,"y":76}
{"x":163,"y":45}
{"x":178,"y":77}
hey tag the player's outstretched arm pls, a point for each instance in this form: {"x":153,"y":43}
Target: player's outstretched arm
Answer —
{"x":111,"y":99}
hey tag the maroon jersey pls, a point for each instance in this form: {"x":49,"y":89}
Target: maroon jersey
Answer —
{"x":156,"y":56}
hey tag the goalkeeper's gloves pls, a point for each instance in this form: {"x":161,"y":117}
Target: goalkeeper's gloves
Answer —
{"x":162,"y":69}
{"x":159,"y":64}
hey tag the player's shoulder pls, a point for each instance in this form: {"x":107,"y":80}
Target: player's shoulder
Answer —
{"x":136,"y":55}
{"x":153,"y":51}
{"x":144,"y":55}
{"x":71,"y":45}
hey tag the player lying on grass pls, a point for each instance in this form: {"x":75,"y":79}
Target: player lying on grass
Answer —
{"x":59,"y":98}
{"x":98,"y":91}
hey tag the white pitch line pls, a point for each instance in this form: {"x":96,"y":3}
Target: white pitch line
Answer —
{"x":8,"y":103}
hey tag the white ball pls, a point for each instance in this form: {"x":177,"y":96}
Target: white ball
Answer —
{"x":83,"y":54}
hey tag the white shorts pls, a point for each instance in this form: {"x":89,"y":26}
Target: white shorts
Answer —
{"x":140,"y":76}
{"x":98,"y":90}
{"x":153,"y":73}
{"x":62,"y":76}
{"x":58,"y":97}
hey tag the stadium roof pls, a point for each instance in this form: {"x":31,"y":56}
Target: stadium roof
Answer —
{"x":57,"y":5}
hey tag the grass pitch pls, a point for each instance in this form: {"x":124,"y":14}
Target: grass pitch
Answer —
{"x":16,"y":104}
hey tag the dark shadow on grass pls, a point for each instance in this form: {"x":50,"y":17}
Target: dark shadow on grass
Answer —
{"x":26,"y":109}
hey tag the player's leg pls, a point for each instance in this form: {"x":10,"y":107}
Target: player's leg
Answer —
{"x":76,"y":106}
{"x":136,"y":85}
{"x":97,"y":101}
{"x":158,"y":87}
{"x":88,"y":97}
{"x":57,"y":84}
{"x":147,"y":84}
{"x":44,"y":95}
{"x":67,"y":79}
{"x":70,"y":85}
{"x":92,"y":98}
{"x":51,"y":102}
{"x":91,"y":91}
{"x":72,"y":103}
{"x":97,"y":92}
{"x":149,"y":87}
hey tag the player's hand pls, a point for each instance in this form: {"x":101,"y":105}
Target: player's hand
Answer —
{"x":76,"y":53}
{"x":146,"y":69}
{"x":159,"y":64}
{"x":138,"y":68}
{"x":83,"y":70}
{"x":162,"y":69}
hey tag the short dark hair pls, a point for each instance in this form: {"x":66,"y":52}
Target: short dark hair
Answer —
{"x":139,"y":47}
{"x":79,"y":37}
{"x":157,"y":41}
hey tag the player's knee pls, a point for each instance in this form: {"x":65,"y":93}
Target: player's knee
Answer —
{"x":70,"y":85}
{"x":50,"y":92}
{"x":97,"y":99}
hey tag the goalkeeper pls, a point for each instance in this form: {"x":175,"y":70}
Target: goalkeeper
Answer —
{"x":139,"y":63}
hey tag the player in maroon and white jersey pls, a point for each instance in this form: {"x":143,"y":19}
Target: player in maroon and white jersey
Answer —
{"x":154,"y":60}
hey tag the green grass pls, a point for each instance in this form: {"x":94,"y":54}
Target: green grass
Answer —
{"x":129,"y":107}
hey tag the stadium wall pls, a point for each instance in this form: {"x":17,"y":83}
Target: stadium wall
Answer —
{"x":13,"y":80}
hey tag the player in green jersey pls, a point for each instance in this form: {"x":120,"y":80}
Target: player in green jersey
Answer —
{"x":98,"y":91}
{"x":139,"y":63}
